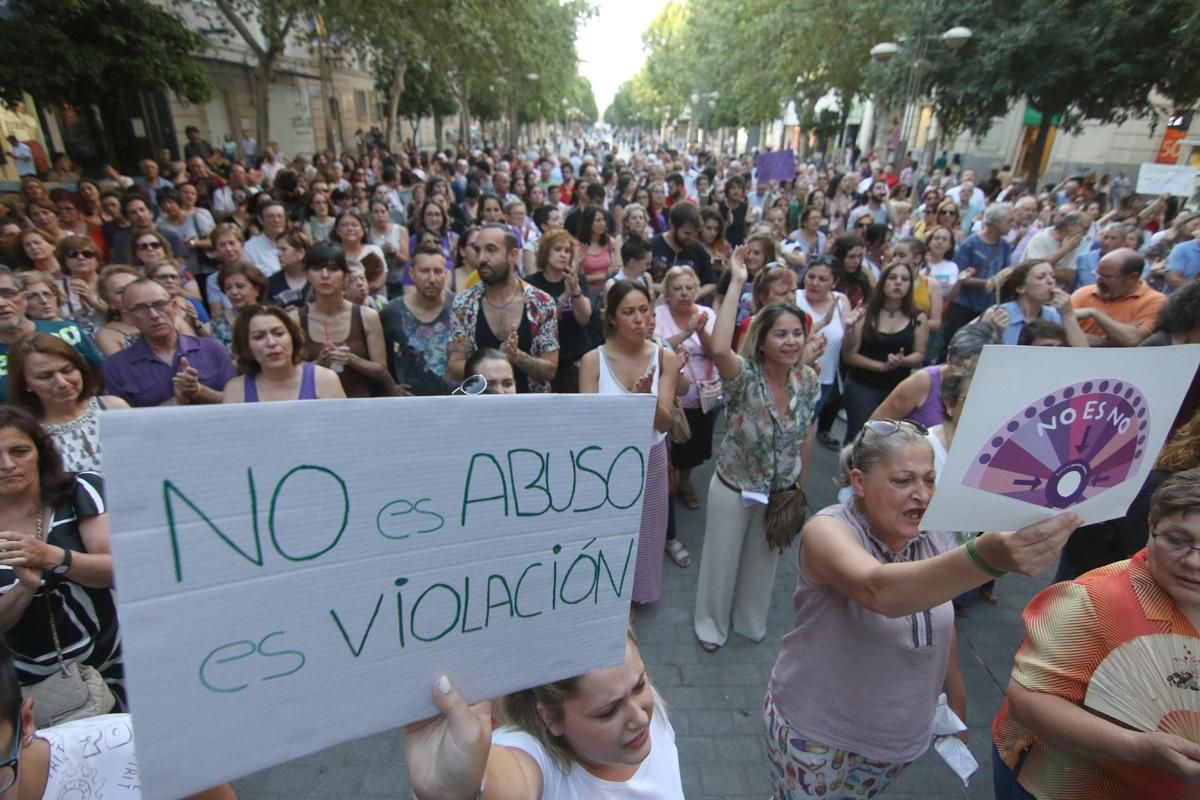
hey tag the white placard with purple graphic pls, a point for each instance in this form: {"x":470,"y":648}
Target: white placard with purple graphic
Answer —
{"x":1048,"y":429}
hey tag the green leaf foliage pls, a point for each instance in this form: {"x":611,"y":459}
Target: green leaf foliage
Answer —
{"x":79,"y":51}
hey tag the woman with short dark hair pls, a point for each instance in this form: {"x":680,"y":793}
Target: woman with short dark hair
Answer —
{"x":345,"y":337}
{"x":1076,"y":724}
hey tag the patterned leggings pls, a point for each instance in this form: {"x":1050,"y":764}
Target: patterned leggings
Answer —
{"x":802,"y":769}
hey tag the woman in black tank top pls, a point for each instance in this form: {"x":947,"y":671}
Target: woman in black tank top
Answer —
{"x":883,"y":347}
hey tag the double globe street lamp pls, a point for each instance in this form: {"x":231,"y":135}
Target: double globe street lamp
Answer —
{"x":954,"y":38}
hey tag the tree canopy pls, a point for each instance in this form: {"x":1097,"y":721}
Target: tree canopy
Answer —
{"x":1075,"y":60}
{"x":78,"y":51}
{"x":1104,"y":60}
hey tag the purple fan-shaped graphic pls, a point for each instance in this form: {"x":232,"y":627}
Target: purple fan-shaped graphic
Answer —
{"x":1066,"y":447}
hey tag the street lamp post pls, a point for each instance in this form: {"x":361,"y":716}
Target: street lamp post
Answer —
{"x":954,"y":38}
{"x":697,"y":104}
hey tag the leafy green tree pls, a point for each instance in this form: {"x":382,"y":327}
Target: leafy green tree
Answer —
{"x":1103,"y":60}
{"x":79,"y":51}
{"x":761,"y":54}
{"x":424,"y":96}
{"x":624,"y":111}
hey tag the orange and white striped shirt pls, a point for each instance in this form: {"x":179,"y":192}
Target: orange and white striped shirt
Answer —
{"x":1070,"y":628}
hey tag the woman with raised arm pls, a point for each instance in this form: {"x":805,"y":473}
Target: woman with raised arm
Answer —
{"x":770,"y":395}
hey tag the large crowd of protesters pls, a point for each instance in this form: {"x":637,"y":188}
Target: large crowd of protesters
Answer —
{"x":756,"y":312}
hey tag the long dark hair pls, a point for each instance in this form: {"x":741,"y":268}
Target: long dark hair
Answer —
{"x":843,"y":280}
{"x":875,"y":303}
{"x":55,"y":485}
{"x":616,"y":294}
{"x":586,"y":219}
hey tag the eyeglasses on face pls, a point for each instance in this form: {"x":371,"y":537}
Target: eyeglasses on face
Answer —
{"x":80,"y":254}
{"x":149,"y":246}
{"x":1176,"y":545}
{"x":144,"y":309}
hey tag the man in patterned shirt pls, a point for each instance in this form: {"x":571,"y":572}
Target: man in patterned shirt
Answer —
{"x":503,"y":312}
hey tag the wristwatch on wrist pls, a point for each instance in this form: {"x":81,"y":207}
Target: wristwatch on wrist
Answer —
{"x":63,"y":565}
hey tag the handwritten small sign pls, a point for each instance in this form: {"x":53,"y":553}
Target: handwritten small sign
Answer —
{"x":1049,"y":429}
{"x":295,"y":575}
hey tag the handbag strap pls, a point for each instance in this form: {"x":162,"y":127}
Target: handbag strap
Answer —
{"x":58,"y":651}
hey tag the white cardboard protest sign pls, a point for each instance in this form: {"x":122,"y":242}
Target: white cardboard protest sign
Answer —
{"x":1172,"y":179}
{"x":1050,"y":429}
{"x":294,"y":575}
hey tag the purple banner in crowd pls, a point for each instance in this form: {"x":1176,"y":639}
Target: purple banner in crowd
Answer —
{"x":777,"y":166}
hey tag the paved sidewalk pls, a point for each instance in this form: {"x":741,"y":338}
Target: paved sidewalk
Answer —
{"x":714,"y":700}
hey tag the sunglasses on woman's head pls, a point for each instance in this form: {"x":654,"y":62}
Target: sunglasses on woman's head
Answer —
{"x":887,"y":427}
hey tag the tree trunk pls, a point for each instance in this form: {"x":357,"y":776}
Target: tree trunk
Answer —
{"x":263,"y":74}
{"x":1035,"y":155}
{"x":399,"y":68}
{"x":464,"y":120}
{"x":325,"y":74}
{"x":437,"y":130}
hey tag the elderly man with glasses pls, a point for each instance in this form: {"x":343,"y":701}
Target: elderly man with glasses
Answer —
{"x":1120,"y":309}
{"x":164,"y":367}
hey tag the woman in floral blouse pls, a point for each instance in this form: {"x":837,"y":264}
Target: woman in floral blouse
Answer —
{"x":770,"y":395}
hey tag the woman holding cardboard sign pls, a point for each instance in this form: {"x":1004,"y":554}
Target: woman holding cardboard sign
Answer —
{"x":601,"y":734}
{"x":57,"y":610}
{"x":876,"y":590}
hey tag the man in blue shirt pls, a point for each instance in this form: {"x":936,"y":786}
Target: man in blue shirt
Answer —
{"x":1111,"y":237}
{"x":14,"y":325}
{"x":984,"y":254}
{"x":1183,"y":265}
